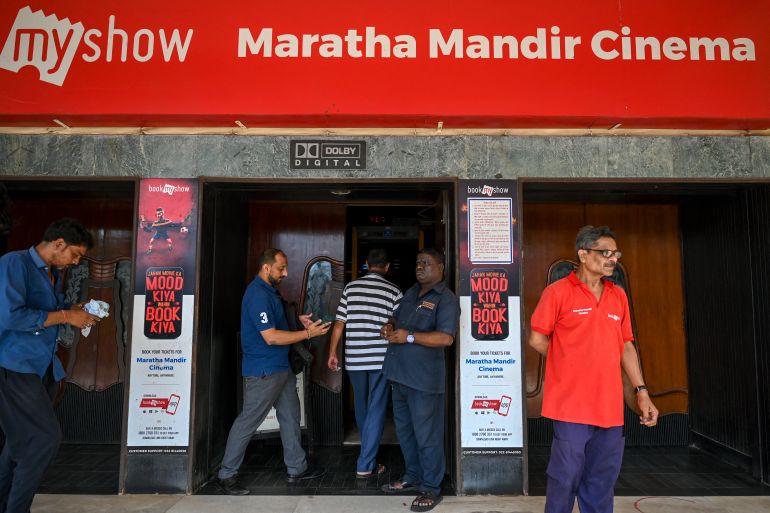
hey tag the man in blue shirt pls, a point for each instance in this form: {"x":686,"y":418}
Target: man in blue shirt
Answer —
{"x":425,"y":324}
{"x":268,"y":380}
{"x":31,"y":310}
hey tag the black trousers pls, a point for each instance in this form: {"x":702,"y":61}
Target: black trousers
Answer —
{"x":32,"y":436}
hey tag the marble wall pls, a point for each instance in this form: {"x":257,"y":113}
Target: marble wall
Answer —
{"x":390,"y":157}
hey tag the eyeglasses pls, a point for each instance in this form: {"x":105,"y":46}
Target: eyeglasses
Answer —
{"x":607,"y":253}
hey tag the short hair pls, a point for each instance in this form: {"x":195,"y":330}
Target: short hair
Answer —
{"x":159,"y":209}
{"x":588,"y":235}
{"x":268,"y":257}
{"x":377,"y":257}
{"x":73,"y":233}
{"x":437,"y":255}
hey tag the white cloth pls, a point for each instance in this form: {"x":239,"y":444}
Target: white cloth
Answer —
{"x":97,"y":308}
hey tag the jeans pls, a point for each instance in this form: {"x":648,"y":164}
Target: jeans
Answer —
{"x":371,"y":396}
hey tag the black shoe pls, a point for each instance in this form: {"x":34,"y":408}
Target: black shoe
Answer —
{"x":309,"y":473}
{"x":231,"y":486}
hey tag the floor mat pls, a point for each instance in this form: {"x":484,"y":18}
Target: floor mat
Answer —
{"x":264,"y":473}
{"x":84,"y":469}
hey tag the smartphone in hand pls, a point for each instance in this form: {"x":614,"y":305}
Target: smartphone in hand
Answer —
{"x":324,"y":320}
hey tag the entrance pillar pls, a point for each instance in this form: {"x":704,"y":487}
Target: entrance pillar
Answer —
{"x":156,"y":442}
{"x":490,"y":409}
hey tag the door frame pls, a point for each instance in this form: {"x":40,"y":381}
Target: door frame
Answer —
{"x":446,"y":188}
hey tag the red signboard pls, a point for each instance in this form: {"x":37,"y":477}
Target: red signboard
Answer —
{"x":466,"y":63}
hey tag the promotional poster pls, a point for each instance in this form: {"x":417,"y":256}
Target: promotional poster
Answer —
{"x":161,"y":348}
{"x":491,"y":408}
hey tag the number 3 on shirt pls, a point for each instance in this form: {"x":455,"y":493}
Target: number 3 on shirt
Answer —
{"x":263,"y":317}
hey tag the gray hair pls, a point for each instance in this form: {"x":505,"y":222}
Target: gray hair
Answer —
{"x":588,"y":235}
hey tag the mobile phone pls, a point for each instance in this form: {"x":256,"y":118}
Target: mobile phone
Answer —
{"x":505,"y":405}
{"x":173,"y":403}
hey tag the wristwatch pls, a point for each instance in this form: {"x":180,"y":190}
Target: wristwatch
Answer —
{"x":640,"y":388}
{"x":410,"y":338}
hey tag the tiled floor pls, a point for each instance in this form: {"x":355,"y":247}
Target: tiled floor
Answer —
{"x":84,"y":468}
{"x":264,"y":473}
{"x":679,"y":471}
{"x":665,"y":471}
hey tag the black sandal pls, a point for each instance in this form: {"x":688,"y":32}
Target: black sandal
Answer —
{"x":425,"y":502}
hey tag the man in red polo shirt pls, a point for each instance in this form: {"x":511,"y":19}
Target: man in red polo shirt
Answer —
{"x":582,"y":324}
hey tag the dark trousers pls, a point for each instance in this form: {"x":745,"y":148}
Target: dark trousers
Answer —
{"x":370,"y":395}
{"x":260,"y":394}
{"x":419,"y":418}
{"x":32,"y":436}
{"x":585,"y":463}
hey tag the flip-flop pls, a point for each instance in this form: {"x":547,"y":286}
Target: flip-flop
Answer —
{"x":399,"y":487}
{"x":425,"y":502}
{"x":378,"y":471}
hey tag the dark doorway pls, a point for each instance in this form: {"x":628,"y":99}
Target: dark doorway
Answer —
{"x":690,"y":253}
{"x":337,"y":220}
{"x":90,"y":403}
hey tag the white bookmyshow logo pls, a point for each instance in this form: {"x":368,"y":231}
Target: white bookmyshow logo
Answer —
{"x":167,"y":189}
{"x":50,"y":44}
{"x":487,"y":190}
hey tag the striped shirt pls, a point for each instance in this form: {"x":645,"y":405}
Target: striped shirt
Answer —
{"x":365,"y":306}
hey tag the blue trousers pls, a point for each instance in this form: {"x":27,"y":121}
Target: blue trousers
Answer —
{"x":419,"y":418}
{"x":585,"y":462}
{"x":370,"y":395}
{"x":32,"y":436}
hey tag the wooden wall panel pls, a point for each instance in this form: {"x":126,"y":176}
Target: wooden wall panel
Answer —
{"x":110,"y":221}
{"x":648,"y":234}
{"x":302,"y":231}
{"x":95,"y":364}
{"x":548,"y":234}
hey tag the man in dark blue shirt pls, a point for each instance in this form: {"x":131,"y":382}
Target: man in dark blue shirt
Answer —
{"x":268,"y":380}
{"x":425,"y":324}
{"x":31,"y":310}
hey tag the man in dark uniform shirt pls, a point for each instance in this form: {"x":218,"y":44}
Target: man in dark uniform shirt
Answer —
{"x":425,"y":323}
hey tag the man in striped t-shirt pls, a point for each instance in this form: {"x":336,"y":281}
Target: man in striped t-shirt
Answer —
{"x":365,"y":306}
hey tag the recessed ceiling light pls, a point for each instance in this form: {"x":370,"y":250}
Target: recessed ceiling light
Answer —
{"x":340,"y":192}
